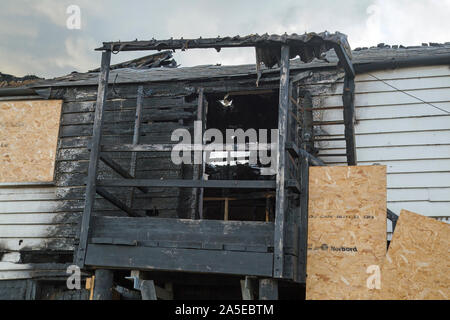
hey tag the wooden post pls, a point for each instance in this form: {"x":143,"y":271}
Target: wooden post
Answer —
{"x":93,"y":158}
{"x":136,"y":136}
{"x":268,"y":289}
{"x":281,"y":165}
{"x":198,"y":169}
{"x":348,"y":99}
{"x":148,"y":290}
{"x":90,"y":283}
{"x":247,"y":289}
{"x":303,"y":225}
{"x":103,"y":285}
{"x":226,"y":215}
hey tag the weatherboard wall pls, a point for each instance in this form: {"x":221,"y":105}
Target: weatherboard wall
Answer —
{"x":410,"y":137}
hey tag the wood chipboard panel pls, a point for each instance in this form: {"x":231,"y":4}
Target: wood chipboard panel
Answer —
{"x":28,"y":140}
{"x":417,"y":264}
{"x":346,"y":230}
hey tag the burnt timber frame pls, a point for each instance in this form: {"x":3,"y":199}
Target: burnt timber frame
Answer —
{"x":203,"y":245}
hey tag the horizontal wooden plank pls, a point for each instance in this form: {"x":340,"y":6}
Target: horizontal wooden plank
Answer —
{"x":125,"y":104}
{"x":24,"y":194}
{"x":388,"y":140}
{"x":385,"y":111}
{"x":415,"y":180}
{"x":432,"y":209}
{"x":396,"y":153}
{"x":404,"y":73}
{"x":39,"y":218}
{"x":202,"y":231}
{"x":188,"y":260}
{"x":409,"y":166}
{"x":31,"y":244}
{"x":419,"y":194}
{"x":155,"y":115}
{"x":434,"y":123}
{"x":251,"y":184}
{"x":391,"y":98}
{"x":365,"y":83}
{"x":400,"y":74}
{"x":38,"y":231}
{"x":30,"y":206}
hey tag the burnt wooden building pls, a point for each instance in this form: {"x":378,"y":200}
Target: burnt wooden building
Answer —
{"x":119,"y":207}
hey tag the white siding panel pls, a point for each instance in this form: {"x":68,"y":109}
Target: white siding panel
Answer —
{"x":410,"y":166}
{"x":433,"y":209}
{"x":394,"y":140}
{"x":30,"y":220}
{"x":37,"y":218}
{"x":414,"y":124}
{"x":373,"y":85}
{"x":388,"y":111}
{"x":407,"y":73}
{"x":18,"y":243}
{"x":397,"y":153}
{"x":394,"y":129}
{"x":390,"y":98}
{"x":418,"y":194}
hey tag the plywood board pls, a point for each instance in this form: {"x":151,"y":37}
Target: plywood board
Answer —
{"x":346,"y":230}
{"x":28,"y":140}
{"x":417,"y":264}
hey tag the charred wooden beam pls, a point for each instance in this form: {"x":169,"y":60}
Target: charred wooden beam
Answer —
{"x":93,"y":158}
{"x":236,"y":184}
{"x":315,"y":43}
{"x":393,"y":217}
{"x":177,"y":259}
{"x":303,"y":221}
{"x":344,"y":61}
{"x":118,"y":169}
{"x":281,"y":197}
{"x":136,"y":135}
{"x":167,"y":147}
{"x":119,"y":204}
{"x":103,"y":284}
{"x":268,"y":289}
{"x":199,"y":165}
{"x":300,"y":153}
{"x":348,"y":99}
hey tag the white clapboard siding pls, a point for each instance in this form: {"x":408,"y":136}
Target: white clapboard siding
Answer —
{"x":394,"y":129}
{"x":407,"y":124}
{"x":32,"y":219}
{"x":406,"y":166}
{"x":373,"y":85}
{"x":418,"y":194}
{"x":399,"y":139}
{"x":391,"y":111}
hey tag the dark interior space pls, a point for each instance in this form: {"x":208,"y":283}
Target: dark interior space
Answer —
{"x":244,"y":111}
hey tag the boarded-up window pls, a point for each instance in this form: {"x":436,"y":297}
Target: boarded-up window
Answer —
{"x":28,"y":140}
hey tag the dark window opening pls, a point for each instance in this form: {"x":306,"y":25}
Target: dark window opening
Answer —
{"x":246,"y":112}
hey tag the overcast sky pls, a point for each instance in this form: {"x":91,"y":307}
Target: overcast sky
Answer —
{"x":34,"y":38}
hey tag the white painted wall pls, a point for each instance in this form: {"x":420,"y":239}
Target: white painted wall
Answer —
{"x":394,"y":129}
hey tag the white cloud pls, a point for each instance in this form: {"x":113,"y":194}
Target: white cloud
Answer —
{"x":34,"y":37}
{"x":79,"y":54}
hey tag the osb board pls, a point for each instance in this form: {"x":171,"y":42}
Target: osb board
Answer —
{"x":346,"y":230}
{"x":28,"y":140}
{"x":417,"y":265}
